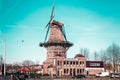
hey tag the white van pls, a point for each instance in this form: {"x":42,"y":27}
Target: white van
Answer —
{"x":102,"y":74}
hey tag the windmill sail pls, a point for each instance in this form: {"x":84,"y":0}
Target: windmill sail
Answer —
{"x":49,"y":23}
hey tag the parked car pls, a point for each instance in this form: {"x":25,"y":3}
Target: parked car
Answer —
{"x":79,"y":76}
{"x":102,"y":74}
{"x":114,"y":75}
{"x":98,"y":74}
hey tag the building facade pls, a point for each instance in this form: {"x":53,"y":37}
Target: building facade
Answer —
{"x":71,"y":66}
{"x":94,"y":67}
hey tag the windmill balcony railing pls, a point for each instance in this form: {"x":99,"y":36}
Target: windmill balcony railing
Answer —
{"x":55,"y":43}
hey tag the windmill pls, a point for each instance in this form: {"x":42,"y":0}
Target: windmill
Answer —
{"x":57,"y":44}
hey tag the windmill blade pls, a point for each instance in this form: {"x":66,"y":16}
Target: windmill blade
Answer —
{"x":52,"y":11}
{"x":51,"y":17}
{"x":46,"y":34}
{"x":63,"y":29}
{"x":49,"y":22}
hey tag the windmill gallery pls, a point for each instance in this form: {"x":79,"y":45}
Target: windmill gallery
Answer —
{"x":57,"y":62}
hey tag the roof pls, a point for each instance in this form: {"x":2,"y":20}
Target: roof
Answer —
{"x":57,"y":23}
{"x":78,"y":55}
{"x":68,"y":59}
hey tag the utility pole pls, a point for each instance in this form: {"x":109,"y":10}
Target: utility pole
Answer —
{"x":5,"y":59}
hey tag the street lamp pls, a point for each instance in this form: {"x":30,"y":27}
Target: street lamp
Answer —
{"x":61,"y":73}
{"x":51,"y":74}
{"x":50,"y":70}
{"x":5,"y":59}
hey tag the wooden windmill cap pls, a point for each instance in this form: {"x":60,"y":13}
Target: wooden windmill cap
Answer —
{"x":54,"y":22}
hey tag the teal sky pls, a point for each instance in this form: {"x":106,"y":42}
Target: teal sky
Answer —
{"x":92,"y":24}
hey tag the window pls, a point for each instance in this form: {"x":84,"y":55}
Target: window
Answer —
{"x":65,"y":71}
{"x":83,"y":70}
{"x":78,"y":71}
{"x":58,"y":63}
{"x":83,"y":62}
{"x":67,"y":62}
{"x":80,"y":62}
{"x":76,"y":62}
{"x":64,"y":62}
{"x":70,"y":71}
{"x":70,"y":62}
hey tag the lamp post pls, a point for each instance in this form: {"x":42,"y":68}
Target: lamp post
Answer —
{"x":5,"y":59}
{"x":61,"y":74}
{"x":51,"y":73}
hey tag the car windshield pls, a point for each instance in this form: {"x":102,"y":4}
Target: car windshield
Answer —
{"x":116,"y":74}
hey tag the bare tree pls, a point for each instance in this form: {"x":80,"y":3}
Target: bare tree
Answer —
{"x":96,"y":58}
{"x":113,"y":52}
{"x":85,"y":52}
{"x":104,"y":57}
{"x":27,"y":63}
{"x":108,"y":67}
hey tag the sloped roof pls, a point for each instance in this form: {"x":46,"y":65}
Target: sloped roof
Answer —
{"x":78,"y":55}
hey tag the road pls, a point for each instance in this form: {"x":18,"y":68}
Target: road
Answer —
{"x":88,"y":78}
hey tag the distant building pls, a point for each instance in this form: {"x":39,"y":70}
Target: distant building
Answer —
{"x":93,"y":67}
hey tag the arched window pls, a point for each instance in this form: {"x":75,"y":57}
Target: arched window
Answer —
{"x":65,"y":71}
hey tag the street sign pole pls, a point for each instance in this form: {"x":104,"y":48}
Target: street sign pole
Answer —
{"x":5,"y":60}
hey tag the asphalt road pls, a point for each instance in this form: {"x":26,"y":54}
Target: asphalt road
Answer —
{"x":88,"y":78}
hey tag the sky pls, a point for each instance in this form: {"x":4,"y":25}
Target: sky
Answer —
{"x":92,"y":24}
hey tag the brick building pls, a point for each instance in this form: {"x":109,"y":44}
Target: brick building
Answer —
{"x":71,"y":66}
{"x":94,"y":67}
